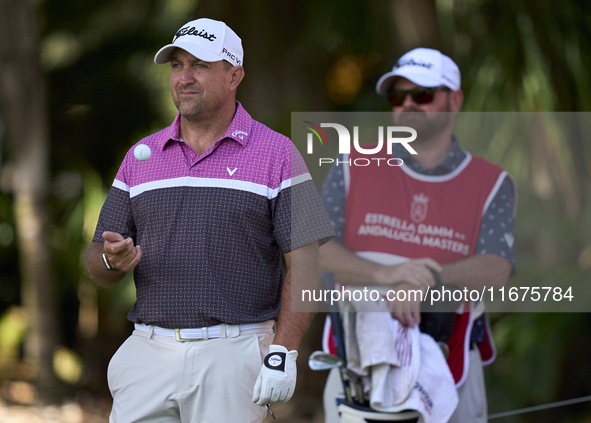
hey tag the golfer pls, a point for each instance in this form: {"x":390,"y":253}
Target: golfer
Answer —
{"x":202,"y":216}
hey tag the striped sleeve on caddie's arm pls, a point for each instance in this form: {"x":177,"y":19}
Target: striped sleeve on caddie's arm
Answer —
{"x":299,"y":216}
{"x":116,"y":215}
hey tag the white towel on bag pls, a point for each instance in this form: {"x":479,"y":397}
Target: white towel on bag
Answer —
{"x":407,"y":368}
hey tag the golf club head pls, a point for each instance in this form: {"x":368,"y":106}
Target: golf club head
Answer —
{"x":321,"y":361}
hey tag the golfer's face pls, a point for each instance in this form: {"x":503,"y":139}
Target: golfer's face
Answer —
{"x":198,"y":87}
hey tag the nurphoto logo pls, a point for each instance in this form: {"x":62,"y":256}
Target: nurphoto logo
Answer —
{"x":389,"y":139}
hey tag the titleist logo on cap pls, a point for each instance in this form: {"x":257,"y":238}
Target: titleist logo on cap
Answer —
{"x":207,"y":40}
{"x":411,"y":62}
{"x":424,"y":67}
{"x":193,"y":31}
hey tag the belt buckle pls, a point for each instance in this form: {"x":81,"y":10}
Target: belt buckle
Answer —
{"x":177,"y":336}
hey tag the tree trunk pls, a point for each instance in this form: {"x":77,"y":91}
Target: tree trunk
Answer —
{"x":23,"y":93}
{"x":415,"y":23}
{"x":279,"y":72}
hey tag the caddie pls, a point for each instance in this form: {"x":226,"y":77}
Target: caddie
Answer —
{"x":459,"y":207}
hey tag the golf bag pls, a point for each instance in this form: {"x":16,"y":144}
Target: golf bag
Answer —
{"x":354,"y":407}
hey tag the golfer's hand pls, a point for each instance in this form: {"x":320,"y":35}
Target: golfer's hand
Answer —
{"x":407,"y":312}
{"x":277,"y":378}
{"x":413,"y":272}
{"x":121,"y":252}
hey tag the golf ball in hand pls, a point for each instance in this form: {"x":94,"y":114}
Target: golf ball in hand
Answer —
{"x":142,"y":152}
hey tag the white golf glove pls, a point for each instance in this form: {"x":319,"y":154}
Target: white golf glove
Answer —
{"x":277,"y":378}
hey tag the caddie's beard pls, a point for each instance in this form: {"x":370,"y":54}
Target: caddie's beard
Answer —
{"x":427,"y":124}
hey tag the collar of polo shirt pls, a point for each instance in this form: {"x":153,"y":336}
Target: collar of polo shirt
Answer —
{"x":239,"y":129}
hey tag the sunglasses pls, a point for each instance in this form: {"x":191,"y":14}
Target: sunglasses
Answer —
{"x":419,"y":95}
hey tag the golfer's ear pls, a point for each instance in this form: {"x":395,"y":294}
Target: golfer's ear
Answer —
{"x":237,"y":74}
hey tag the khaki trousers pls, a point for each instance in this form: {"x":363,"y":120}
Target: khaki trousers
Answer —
{"x":156,"y":379}
{"x":472,"y":407}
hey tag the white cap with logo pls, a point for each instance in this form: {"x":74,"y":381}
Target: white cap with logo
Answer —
{"x":207,"y":40}
{"x":425,"y":67}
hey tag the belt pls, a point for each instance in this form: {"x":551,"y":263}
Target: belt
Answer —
{"x":208,"y":332}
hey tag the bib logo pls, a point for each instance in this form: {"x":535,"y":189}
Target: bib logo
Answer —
{"x":345,"y":143}
{"x":418,"y":208}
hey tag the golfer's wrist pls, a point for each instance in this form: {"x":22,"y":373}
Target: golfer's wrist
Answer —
{"x":285,"y":342}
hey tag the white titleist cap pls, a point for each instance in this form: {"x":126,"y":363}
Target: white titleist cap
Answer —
{"x":207,"y":40}
{"x":425,"y":67}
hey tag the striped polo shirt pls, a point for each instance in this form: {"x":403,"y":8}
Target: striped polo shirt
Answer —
{"x":212,"y":227}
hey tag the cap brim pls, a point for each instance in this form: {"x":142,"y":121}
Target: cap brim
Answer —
{"x":165,"y":53}
{"x":385,"y":83}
